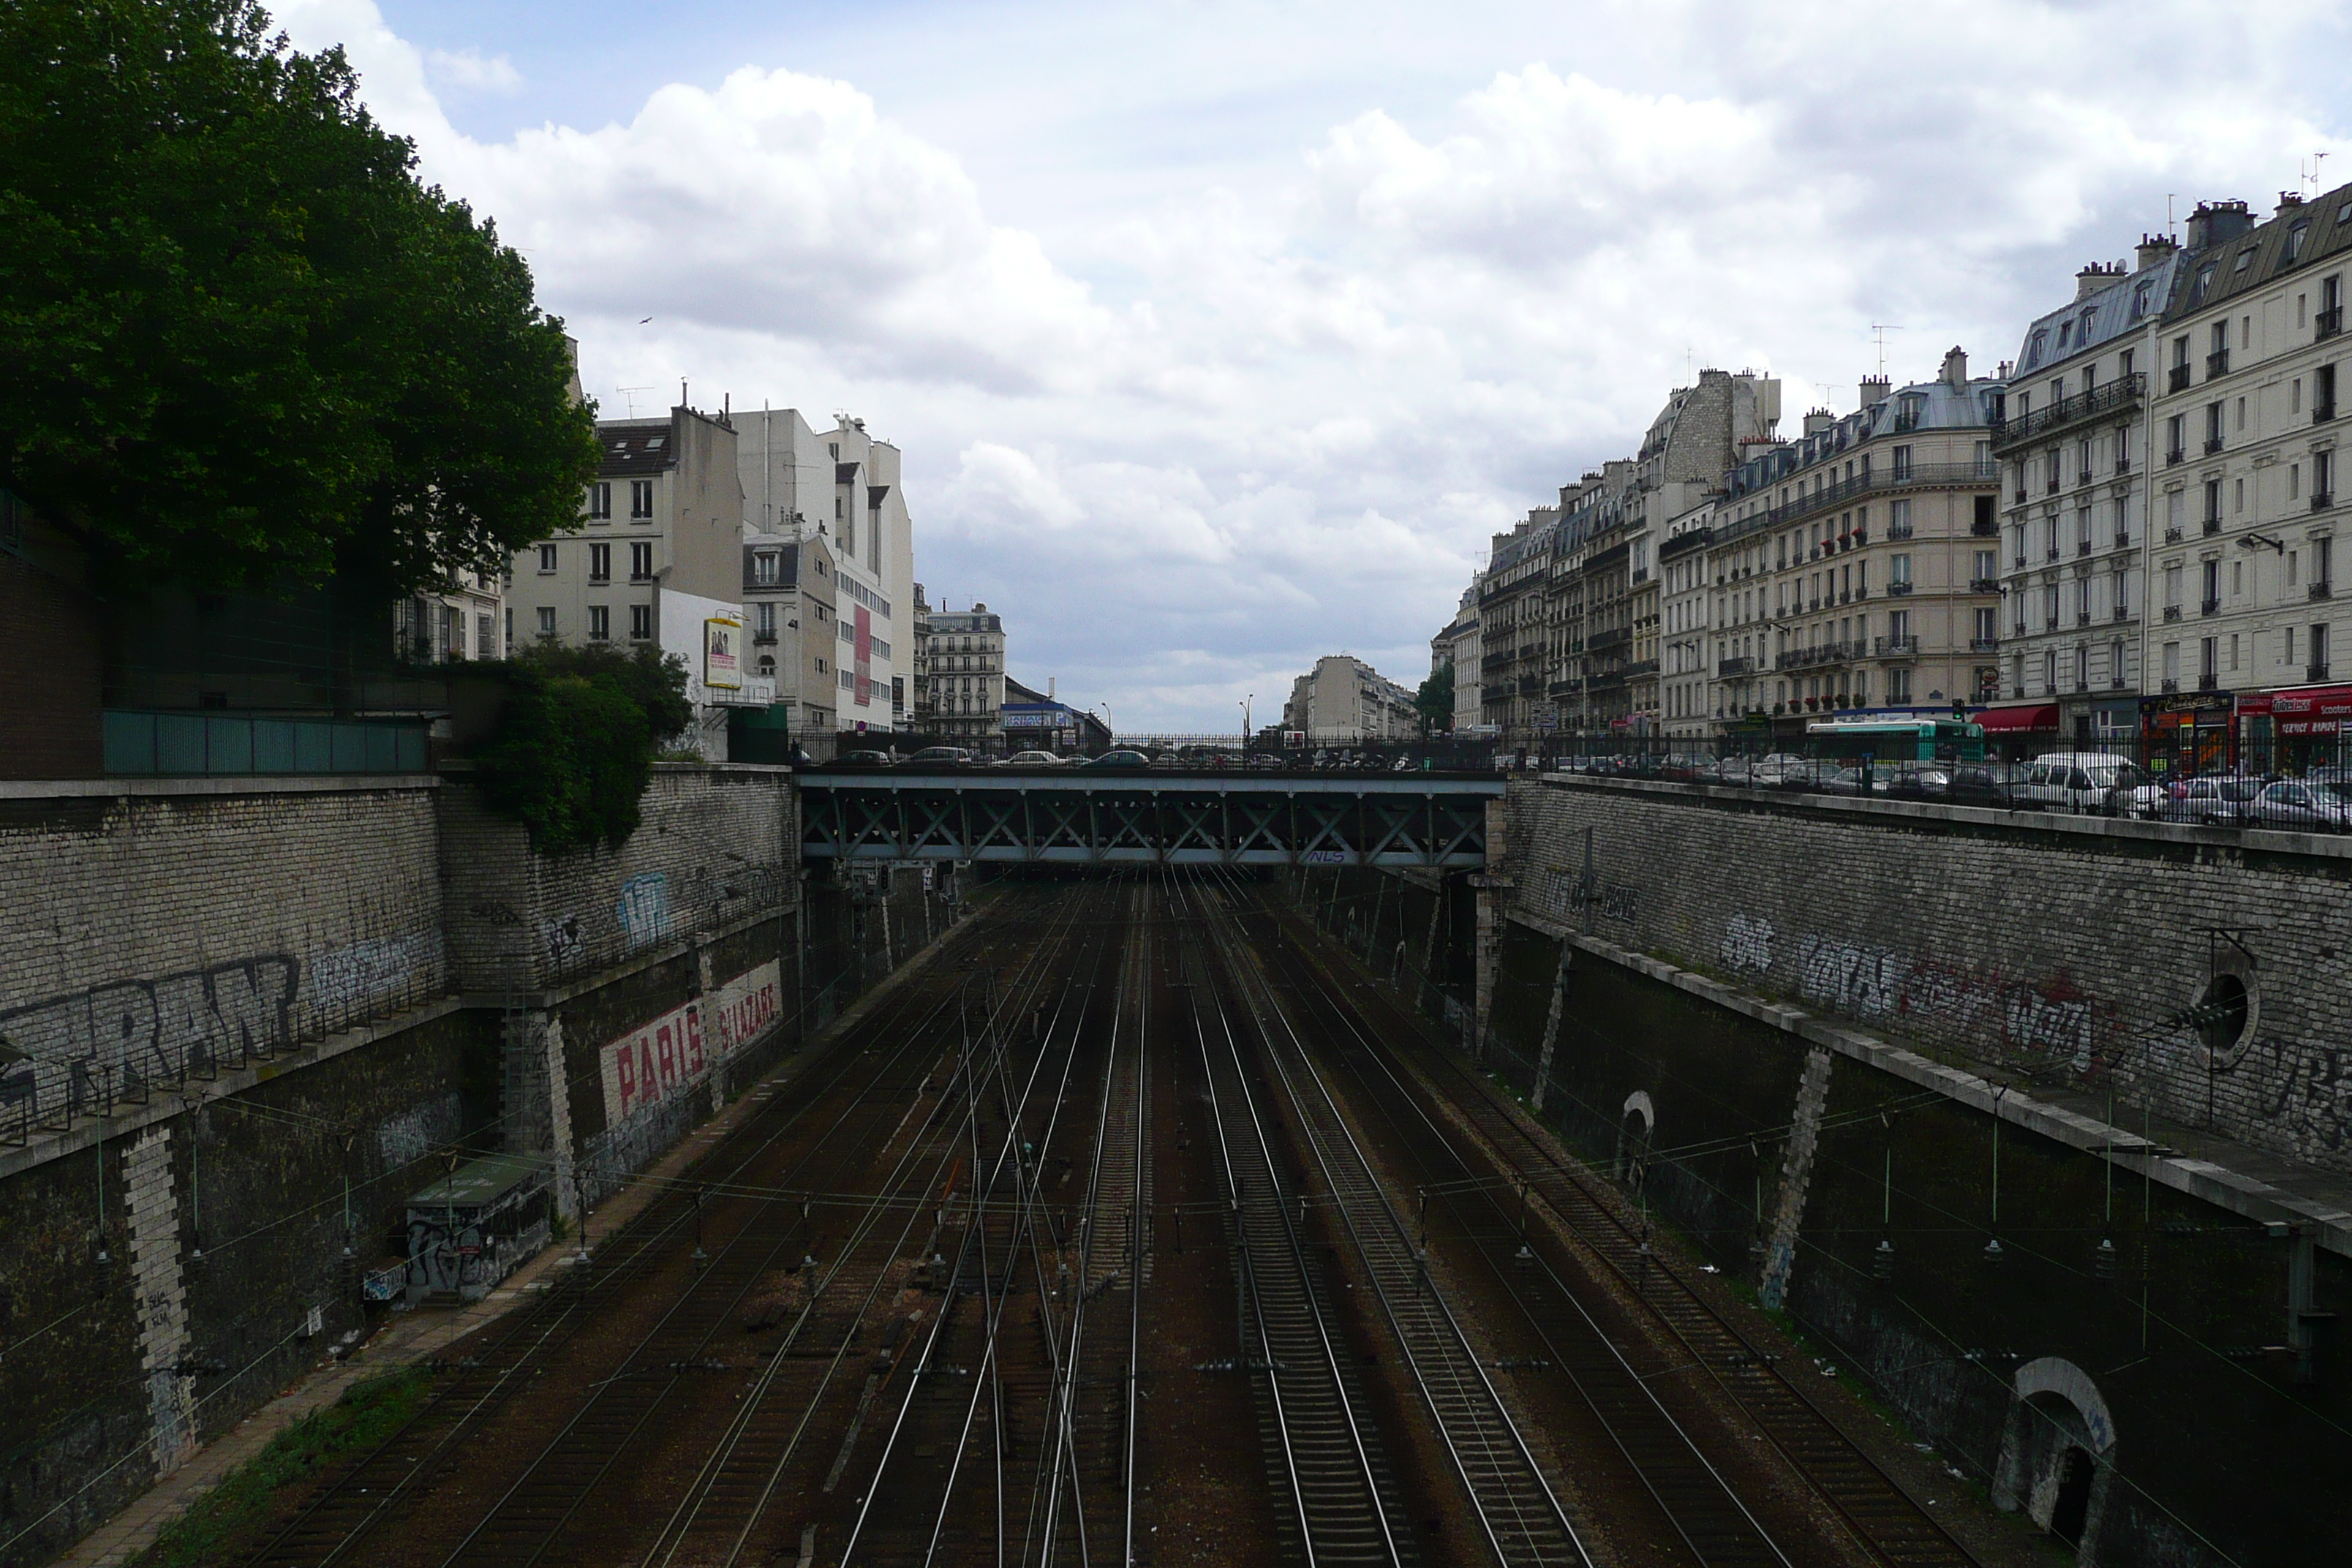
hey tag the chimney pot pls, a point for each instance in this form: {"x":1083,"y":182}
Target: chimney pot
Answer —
{"x":2153,"y":249}
{"x":1956,"y":367}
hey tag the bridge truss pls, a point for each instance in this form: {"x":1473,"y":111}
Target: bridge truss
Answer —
{"x":1156,"y":818}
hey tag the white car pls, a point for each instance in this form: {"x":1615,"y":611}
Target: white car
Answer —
{"x":2080,"y":780}
{"x":1033,"y":760}
{"x":2295,"y":803}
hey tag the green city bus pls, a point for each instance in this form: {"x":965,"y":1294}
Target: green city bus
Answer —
{"x":1897,"y":739}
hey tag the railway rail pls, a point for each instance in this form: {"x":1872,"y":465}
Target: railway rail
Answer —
{"x":1880,"y":1517}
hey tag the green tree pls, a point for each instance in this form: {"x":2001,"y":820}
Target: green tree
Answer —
{"x":1436,"y":700}
{"x":576,"y":741}
{"x":246,"y":348}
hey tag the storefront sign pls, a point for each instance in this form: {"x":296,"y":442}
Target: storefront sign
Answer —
{"x":722,"y":667}
{"x":2306,"y":710}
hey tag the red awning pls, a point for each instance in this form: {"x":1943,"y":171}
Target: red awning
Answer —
{"x":2018,"y":719}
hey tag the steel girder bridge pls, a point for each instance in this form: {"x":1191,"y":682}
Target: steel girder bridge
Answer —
{"x":1434,"y":820}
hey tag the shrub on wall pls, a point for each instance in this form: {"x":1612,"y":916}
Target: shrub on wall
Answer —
{"x":575,"y":743}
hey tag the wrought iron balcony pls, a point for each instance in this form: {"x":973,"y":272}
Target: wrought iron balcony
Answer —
{"x":1984,"y":645}
{"x":2082,"y":547}
{"x":2180,"y":378}
{"x":1904,"y":586}
{"x":2217,"y":365}
{"x":2212,"y":445}
{"x":1984,"y":584}
{"x":2322,"y":589}
{"x":2329,"y":324}
{"x":2314,"y":672}
{"x":2171,"y":612}
{"x":2208,"y":681}
{"x":2118,"y":396}
{"x":2172,"y":535}
{"x":2321,"y":413}
{"x":1726,"y":668}
{"x":2122,"y":613}
{"x":1895,"y":648}
{"x":2213,"y":526}
{"x":2123,"y":541}
{"x":2170,"y":684}
{"x":1985,"y":528}
{"x":2209,"y":607}
{"x":2322,"y":499}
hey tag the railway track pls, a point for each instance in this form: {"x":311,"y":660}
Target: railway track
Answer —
{"x":1520,"y":1516}
{"x":1341,"y":1501}
{"x":1701,"y":1511}
{"x":954,"y":1467}
{"x":875,"y":1063}
{"x":1881,"y":1517}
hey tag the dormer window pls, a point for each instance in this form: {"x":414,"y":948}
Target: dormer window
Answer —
{"x":2294,"y":239}
{"x":2204,"y":281}
{"x":2139,"y":301}
{"x":2245,"y":259}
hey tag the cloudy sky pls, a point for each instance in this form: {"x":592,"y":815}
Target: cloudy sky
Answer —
{"x":1221,"y":335}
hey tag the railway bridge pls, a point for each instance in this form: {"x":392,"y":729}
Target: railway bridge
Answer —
{"x":1055,"y":816}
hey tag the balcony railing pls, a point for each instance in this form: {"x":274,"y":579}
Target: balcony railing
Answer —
{"x":1726,"y":668}
{"x":2172,"y":535}
{"x":2322,"y":499}
{"x":2314,"y":672}
{"x":2084,"y":477}
{"x":2082,"y":617}
{"x":2322,"y":589}
{"x":2176,"y":455}
{"x":1985,"y":528}
{"x":1895,"y":648}
{"x":2082,"y":547}
{"x":2217,"y":365}
{"x":2051,"y":488}
{"x":2212,"y":445}
{"x":2123,"y":463}
{"x":2321,"y":413}
{"x":763,"y":639}
{"x":1984,"y":645}
{"x":2178,"y":380}
{"x":1984,"y":584}
{"x":2209,"y":607}
{"x":2213,"y":526}
{"x":2170,"y":684}
{"x":1900,"y":587}
{"x":2171,"y":612}
{"x":2329,"y":324}
{"x":2122,"y":613}
{"x":2119,"y":394}
{"x":1821,"y":653}
{"x":2052,"y":554}
{"x":2123,"y":541}
{"x":2208,"y":681}
{"x":1898,"y":530}
{"x":1928,"y":475}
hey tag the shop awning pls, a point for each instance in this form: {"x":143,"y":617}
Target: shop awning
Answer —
{"x":2017,"y":719}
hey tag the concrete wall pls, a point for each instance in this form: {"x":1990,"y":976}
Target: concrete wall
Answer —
{"x":2061,"y":948}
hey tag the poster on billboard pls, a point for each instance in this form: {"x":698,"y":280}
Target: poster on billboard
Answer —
{"x":672,"y":1054}
{"x":863,"y":652}
{"x":722,"y":642}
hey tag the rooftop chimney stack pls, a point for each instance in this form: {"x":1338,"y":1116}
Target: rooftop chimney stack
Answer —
{"x":2154,"y":248}
{"x":1874,"y":389}
{"x":1956,"y":367}
{"x":2218,"y":223}
{"x":2094,"y":278}
{"x":1818,"y":420}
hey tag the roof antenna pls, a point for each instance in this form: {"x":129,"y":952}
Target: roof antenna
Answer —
{"x":1878,"y":331}
{"x":2167,"y":214}
{"x":630,"y":392}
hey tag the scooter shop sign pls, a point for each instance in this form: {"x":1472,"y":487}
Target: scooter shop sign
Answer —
{"x":676,"y":1051}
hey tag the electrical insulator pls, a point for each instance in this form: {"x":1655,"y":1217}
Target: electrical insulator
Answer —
{"x":2103,"y":1262}
{"x":1882,"y":1262}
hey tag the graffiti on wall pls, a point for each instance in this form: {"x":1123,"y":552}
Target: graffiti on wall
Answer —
{"x":675,"y":1052}
{"x":364,"y":975}
{"x":2052,"y":1018}
{"x":67,"y":1053}
{"x":643,"y":909}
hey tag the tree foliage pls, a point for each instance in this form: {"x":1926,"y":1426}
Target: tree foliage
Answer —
{"x":246,"y":349}
{"x":576,"y":741}
{"x":1436,"y":700}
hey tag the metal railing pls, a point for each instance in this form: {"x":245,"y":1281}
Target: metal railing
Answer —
{"x":2118,"y":395}
{"x":1828,"y":495}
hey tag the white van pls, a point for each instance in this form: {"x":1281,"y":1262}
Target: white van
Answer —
{"x":2080,"y":780}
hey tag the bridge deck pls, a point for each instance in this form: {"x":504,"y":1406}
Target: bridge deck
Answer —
{"x":1155,"y":816}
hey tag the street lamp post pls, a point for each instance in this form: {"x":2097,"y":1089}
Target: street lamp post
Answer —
{"x":1245,"y":721}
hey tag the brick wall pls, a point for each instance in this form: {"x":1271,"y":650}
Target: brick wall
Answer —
{"x":717,"y":845}
{"x":154,"y":926}
{"x":2064,"y":948}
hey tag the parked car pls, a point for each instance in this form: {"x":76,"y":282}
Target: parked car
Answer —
{"x":1033,"y":760}
{"x":2080,"y":780}
{"x":1911,"y":781}
{"x":868,"y":759}
{"x":1122,"y":759}
{"x":1984,"y":784}
{"x":943,"y":757}
{"x":2299,"y":804}
{"x":2216,"y":800}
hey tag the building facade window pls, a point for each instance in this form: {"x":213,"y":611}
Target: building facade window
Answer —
{"x":546,"y":620}
{"x":599,"y":623}
{"x":600,"y":502}
{"x":547,"y":560}
{"x":640,"y":500}
{"x":600,"y":563}
{"x":641,"y":562}
{"x":641,"y":623}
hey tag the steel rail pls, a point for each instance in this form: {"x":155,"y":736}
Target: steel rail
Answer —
{"x":557,"y":1314}
{"x":1238,"y":1120}
{"x":1520,"y":1515}
{"x":683,"y":1518}
{"x":1898,"y":1532}
{"x":924,"y":1363}
{"x":1719,"y":1540}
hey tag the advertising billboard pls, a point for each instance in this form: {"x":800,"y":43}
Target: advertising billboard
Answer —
{"x":722,"y":645}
